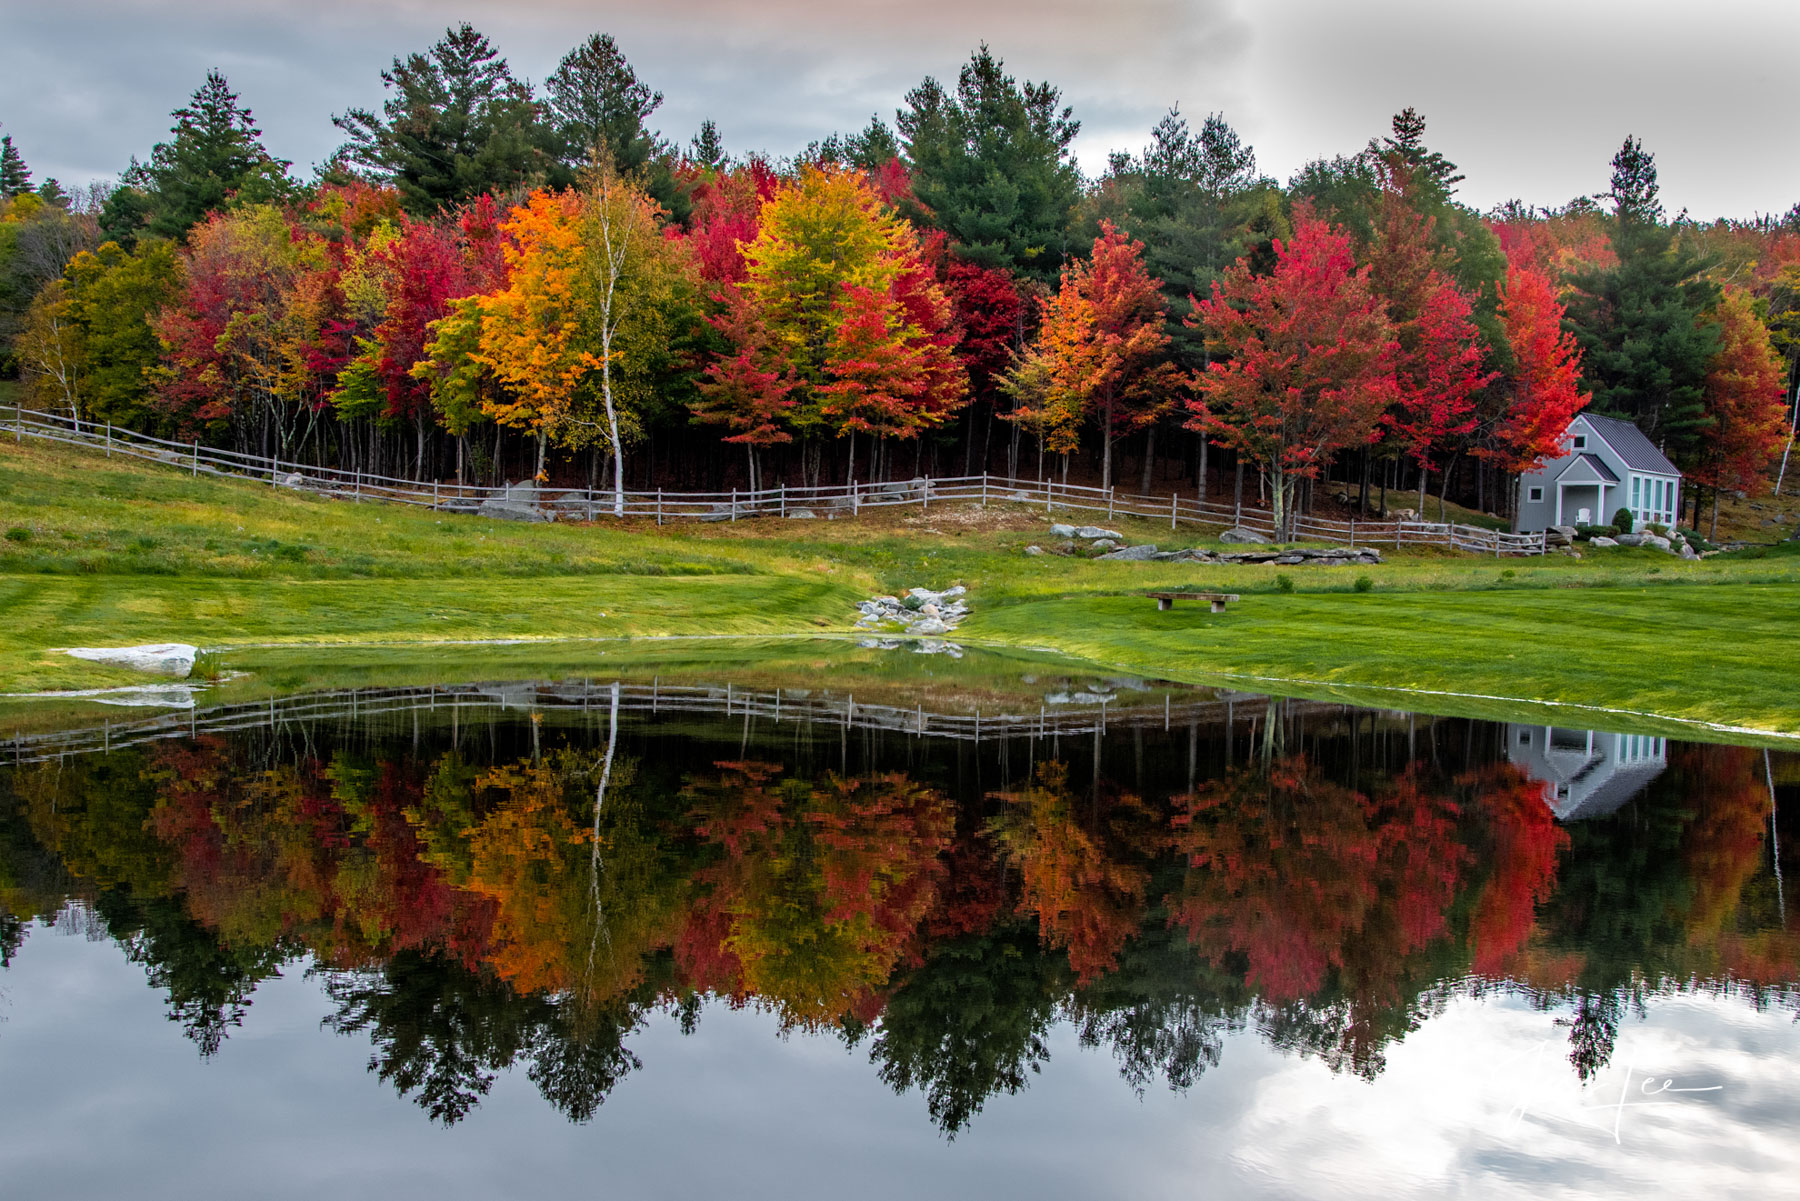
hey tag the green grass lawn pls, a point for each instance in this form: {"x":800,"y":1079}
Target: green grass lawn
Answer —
{"x":99,"y":552}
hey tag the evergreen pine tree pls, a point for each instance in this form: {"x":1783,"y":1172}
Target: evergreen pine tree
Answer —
{"x":216,"y":155}
{"x":992,"y":167}
{"x":456,"y":125}
{"x":1644,"y":346}
{"x":599,"y":104}
{"x":15,"y":176}
{"x":708,"y":148}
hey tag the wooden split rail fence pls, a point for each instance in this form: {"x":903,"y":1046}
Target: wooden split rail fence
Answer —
{"x":782,"y":501}
{"x":570,"y":700}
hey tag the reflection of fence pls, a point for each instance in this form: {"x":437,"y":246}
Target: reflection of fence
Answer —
{"x":588,"y":504}
{"x":1080,"y":716}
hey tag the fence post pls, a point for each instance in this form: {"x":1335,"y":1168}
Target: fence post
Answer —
{"x":925,"y":496}
{"x":434,"y":495}
{"x":274,"y":471}
{"x":109,"y":439}
{"x":356,"y":486}
{"x":196,"y":458}
{"x":659,"y":506}
{"x":855,"y":503}
{"x":984,"y":489}
{"x":783,"y":498}
{"x":1397,"y":525}
{"x":1109,"y":503}
{"x":18,"y":423}
{"x":734,"y":505}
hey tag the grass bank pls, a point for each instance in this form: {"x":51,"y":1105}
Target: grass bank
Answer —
{"x":100,"y":552}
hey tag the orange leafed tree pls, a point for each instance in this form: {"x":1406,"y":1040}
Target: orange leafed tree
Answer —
{"x":1745,"y":408}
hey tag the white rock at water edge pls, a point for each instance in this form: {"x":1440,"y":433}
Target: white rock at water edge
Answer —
{"x":164,"y":658}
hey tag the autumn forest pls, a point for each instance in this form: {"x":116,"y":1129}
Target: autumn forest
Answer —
{"x":493,"y":281}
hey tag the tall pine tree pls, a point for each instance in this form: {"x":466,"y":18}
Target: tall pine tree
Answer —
{"x":992,"y":167}
{"x":1645,"y":347}
{"x":455,"y":125}
{"x":15,"y":176}
{"x":216,"y":156}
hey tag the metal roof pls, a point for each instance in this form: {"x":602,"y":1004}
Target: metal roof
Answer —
{"x":1629,"y":442}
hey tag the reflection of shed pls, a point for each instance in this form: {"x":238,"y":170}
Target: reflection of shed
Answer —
{"x":1585,"y":773}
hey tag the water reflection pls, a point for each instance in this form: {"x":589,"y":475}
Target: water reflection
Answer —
{"x":518,"y":878}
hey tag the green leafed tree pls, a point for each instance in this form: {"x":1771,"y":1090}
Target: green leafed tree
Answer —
{"x":216,"y":157}
{"x":992,"y":167}
{"x":455,"y":124}
{"x":113,"y":294}
{"x":1645,"y":343}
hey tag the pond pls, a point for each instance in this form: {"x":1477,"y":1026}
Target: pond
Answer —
{"x":989,"y":927}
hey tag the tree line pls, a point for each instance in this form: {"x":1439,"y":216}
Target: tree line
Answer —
{"x":496,"y":281}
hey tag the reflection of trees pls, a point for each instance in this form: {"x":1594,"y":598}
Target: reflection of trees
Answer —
{"x":970,"y":1022}
{"x":441,"y":1033}
{"x":1089,"y":899}
{"x":208,"y":980}
{"x":486,"y":908}
{"x":818,"y":890}
{"x":1325,"y":896}
{"x":1520,"y":842}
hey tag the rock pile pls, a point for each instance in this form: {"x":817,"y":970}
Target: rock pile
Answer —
{"x":920,"y":611}
{"x":1107,"y":542}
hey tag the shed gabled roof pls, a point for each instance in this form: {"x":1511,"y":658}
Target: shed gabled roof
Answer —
{"x":1595,"y":465}
{"x":1629,"y":442}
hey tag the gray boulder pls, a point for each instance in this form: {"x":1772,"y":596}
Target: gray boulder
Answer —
{"x":802,"y":515}
{"x":1105,"y":544}
{"x":1601,"y":541}
{"x":1034,"y":550}
{"x":1660,"y":543}
{"x":1288,"y":560}
{"x":1094,"y":531}
{"x":1688,"y":552}
{"x":1631,"y":539}
{"x":1241,"y":536}
{"x":1131,"y":554}
{"x":296,"y":480}
{"x":930,"y":625}
{"x":1059,"y":530}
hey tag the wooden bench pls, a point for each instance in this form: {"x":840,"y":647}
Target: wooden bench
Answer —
{"x":1166,"y":600}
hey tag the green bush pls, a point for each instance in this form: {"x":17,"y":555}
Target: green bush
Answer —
{"x":1363,"y":583}
{"x":1622,"y":521}
{"x":1284,"y":583}
{"x":1584,"y":532}
{"x":18,"y":533}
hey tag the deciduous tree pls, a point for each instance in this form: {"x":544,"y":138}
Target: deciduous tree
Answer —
{"x":1310,"y":366}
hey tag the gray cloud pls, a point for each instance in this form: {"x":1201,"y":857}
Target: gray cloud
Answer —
{"x":1531,"y":99}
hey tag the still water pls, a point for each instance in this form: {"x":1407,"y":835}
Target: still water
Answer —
{"x":1102,"y":939}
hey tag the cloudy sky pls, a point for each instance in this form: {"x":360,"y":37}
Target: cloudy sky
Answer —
{"x":1531,"y":97}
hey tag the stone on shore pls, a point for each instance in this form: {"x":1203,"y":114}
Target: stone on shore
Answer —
{"x":164,"y":658}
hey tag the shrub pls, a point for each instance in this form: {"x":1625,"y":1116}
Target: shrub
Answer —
{"x":1284,"y":583}
{"x":1584,"y":532}
{"x":1363,"y":583}
{"x":1622,"y":521}
{"x":18,"y":533}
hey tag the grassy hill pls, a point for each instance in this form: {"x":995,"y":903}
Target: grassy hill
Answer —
{"x":106,"y":552}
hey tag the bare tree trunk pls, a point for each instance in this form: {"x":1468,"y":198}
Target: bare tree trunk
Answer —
{"x":1149,"y":460}
{"x":1107,"y":443}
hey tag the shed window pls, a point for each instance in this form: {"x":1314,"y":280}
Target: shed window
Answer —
{"x":1636,"y":483}
{"x":1534,"y":494}
{"x":1580,"y":441}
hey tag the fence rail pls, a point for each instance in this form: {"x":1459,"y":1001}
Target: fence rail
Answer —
{"x":782,"y":501}
{"x":594,"y":698}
